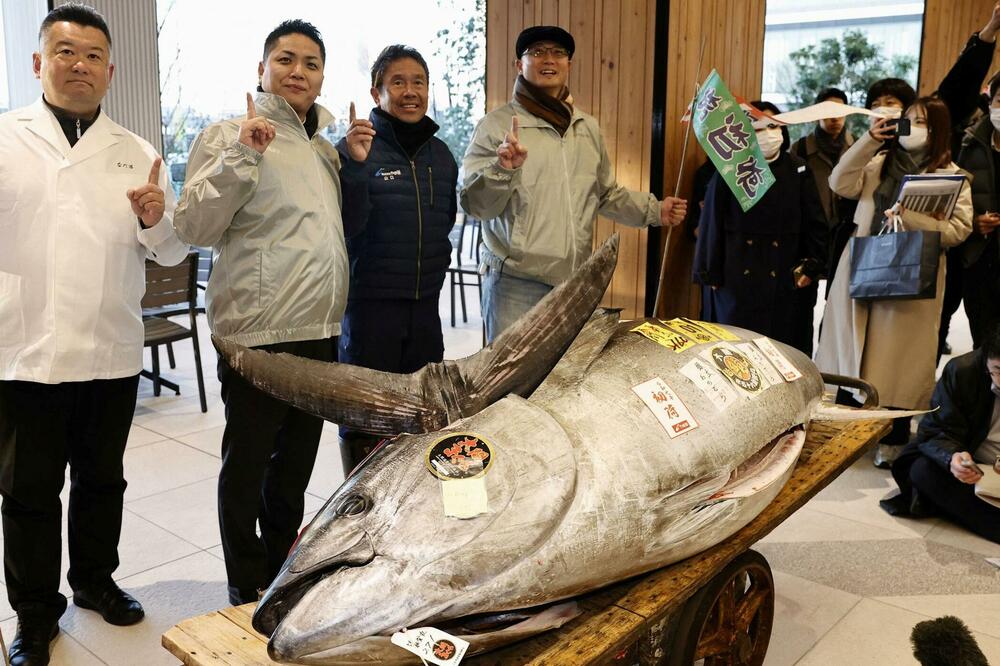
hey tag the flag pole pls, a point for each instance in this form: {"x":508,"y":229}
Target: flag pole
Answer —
{"x":677,"y":186}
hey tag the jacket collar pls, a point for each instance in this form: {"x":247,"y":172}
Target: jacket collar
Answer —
{"x":276,"y":109}
{"x":982,"y":132}
{"x":812,"y":146}
{"x":43,"y":123}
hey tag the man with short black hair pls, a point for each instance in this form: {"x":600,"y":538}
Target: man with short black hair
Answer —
{"x":537,"y":174}
{"x":938,"y":470}
{"x":399,"y":251}
{"x":279,"y":284}
{"x":83,"y":204}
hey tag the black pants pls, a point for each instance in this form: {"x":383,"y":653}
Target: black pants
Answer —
{"x":805,"y":306}
{"x":43,"y":427}
{"x":981,"y":291}
{"x":391,"y":335}
{"x":952,"y":295}
{"x":268,"y":452}
{"x":955,"y":500}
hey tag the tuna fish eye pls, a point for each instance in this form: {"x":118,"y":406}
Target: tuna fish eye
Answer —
{"x":353,"y":505}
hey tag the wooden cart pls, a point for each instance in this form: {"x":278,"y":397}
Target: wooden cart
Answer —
{"x":717,"y":606}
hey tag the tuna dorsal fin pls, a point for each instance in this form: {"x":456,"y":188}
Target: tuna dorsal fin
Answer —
{"x":385,"y":403}
{"x":590,"y":342}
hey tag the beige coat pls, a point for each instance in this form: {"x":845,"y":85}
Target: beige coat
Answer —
{"x":892,"y":344}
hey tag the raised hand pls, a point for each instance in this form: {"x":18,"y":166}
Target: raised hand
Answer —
{"x":511,"y":153}
{"x":147,"y":201}
{"x":672,"y":211}
{"x":989,"y":31}
{"x":256,"y":132}
{"x":359,"y":137}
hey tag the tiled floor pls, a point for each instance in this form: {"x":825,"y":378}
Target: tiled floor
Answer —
{"x":851,"y":580}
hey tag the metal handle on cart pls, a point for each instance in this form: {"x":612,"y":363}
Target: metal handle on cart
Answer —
{"x":871,"y":393}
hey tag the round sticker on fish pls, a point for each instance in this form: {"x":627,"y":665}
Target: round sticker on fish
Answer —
{"x":737,"y":368}
{"x":459,"y":456}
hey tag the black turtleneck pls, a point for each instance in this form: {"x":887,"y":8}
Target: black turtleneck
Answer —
{"x":410,"y":136}
{"x":72,"y":127}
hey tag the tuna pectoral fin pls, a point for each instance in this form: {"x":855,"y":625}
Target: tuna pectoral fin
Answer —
{"x":521,"y":357}
{"x":379,"y":649}
{"x":385,"y":403}
{"x":825,"y":411}
{"x":382,"y":403}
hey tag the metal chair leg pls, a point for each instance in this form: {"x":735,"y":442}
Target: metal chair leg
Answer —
{"x":155,"y":350}
{"x":170,"y":355}
{"x":197,"y":364}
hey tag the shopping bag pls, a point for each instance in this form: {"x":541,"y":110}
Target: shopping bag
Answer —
{"x":895,"y":266}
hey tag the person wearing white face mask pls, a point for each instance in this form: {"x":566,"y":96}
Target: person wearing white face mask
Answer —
{"x":980,"y":253}
{"x":892,"y":343}
{"x":759,"y":267}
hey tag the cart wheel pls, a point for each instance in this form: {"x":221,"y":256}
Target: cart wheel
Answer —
{"x":728,"y":621}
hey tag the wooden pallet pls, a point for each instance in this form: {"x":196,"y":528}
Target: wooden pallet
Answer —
{"x":616,"y":619}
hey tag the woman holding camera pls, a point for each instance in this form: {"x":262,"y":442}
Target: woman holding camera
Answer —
{"x":892,"y":343}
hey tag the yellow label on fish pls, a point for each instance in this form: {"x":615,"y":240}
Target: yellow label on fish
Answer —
{"x":667,"y":337}
{"x":691,"y":330}
{"x":714,"y":329}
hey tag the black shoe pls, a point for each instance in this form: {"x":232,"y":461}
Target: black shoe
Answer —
{"x":30,"y":646}
{"x":897,"y":505}
{"x":115,"y":605}
{"x":886,"y":454}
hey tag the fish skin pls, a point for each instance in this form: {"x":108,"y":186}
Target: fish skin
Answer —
{"x":585,"y":489}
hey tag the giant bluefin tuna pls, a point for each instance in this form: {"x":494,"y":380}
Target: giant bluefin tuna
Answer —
{"x":647,"y":442}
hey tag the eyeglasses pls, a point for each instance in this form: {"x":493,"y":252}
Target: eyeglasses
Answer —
{"x":556,"y":52}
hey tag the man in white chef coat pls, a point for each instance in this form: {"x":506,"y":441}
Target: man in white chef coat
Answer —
{"x":83,"y":203}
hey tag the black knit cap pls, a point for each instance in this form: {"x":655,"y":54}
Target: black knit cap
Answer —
{"x":544,"y":33}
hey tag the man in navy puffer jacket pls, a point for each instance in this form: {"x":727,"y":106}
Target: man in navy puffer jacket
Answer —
{"x":400,"y":251}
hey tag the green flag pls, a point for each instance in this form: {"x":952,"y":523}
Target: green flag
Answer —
{"x":724,"y":131}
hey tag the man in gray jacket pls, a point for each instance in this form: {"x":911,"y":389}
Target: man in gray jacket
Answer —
{"x":538,"y":213}
{"x":273,"y":214}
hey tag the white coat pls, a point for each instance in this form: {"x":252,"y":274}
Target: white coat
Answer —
{"x":72,"y":253}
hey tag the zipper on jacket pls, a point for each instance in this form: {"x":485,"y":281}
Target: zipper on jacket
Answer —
{"x":78,"y":134}
{"x":420,"y":227}
{"x":430,"y":181}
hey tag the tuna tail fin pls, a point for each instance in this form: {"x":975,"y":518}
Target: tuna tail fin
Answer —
{"x":385,"y":403}
{"x":824,"y":411}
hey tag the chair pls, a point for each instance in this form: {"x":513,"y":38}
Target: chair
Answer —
{"x":205,"y":264}
{"x":459,"y":269}
{"x":172,"y":290}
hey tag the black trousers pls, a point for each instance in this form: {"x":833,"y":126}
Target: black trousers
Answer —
{"x":391,"y":335}
{"x":952,"y":295}
{"x":268,"y":452}
{"x":42,"y":428}
{"x":981,"y":291}
{"x":957,"y":501}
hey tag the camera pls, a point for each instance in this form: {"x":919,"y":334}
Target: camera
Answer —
{"x":901,"y":126}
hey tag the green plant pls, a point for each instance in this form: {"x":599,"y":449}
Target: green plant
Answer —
{"x":851,"y":63}
{"x":461,"y":45}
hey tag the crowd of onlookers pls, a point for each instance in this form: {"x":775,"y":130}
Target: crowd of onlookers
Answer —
{"x":760,"y":269}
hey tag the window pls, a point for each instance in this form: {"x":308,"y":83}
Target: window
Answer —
{"x":209,"y":53}
{"x":813,"y":44}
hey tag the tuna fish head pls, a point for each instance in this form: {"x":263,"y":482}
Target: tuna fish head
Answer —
{"x":382,"y":554}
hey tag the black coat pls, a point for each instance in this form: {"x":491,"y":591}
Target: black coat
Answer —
{"x":400,"y":249}
{"x":750,"y":256}
{"x":977,"y":158}
{"x":964,"y":402}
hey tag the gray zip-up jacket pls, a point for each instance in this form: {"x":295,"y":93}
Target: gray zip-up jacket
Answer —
{"x":274,"y":220}
{"x":538,"y":220}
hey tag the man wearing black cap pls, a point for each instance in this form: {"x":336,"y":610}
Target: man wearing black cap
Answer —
{"x":538,"y":214}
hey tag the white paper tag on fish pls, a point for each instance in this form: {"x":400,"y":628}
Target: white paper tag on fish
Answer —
{"x":464,"y":498}
{"x":711,"y":382}
{"x":432,"y":645}
{"x":782,"y":364}
{"x":668,"y":409}
{"x":772,"y":376}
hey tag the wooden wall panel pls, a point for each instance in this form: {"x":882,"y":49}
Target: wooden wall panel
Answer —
{"x":611,"y":79}
{"x":733,"y":31}
{"x":947,"y":25}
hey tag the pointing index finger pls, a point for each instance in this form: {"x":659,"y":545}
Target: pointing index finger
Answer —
{"x":154,"y":172}
{"x":251,"y":109}
{"x":513,"y":128}
{"x":354,"y":115}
